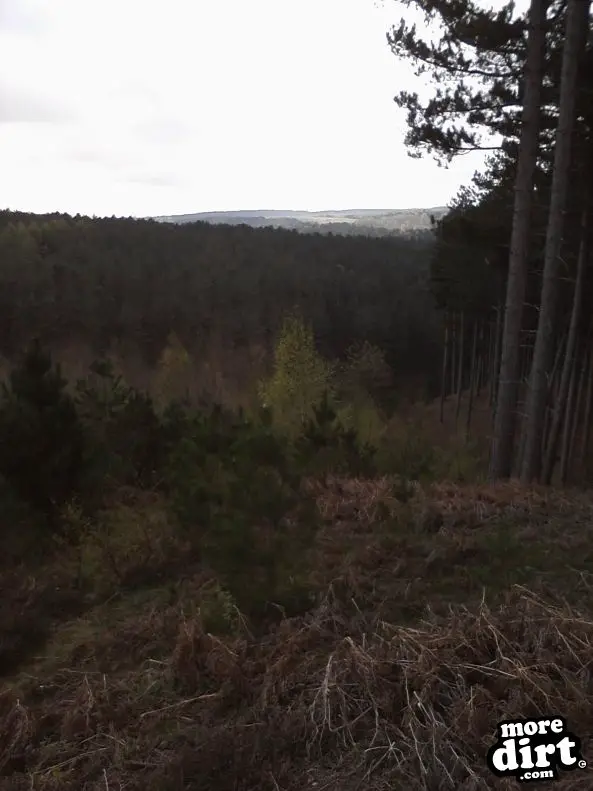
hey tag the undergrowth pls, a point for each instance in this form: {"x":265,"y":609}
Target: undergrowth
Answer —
{"x":207,"y":600}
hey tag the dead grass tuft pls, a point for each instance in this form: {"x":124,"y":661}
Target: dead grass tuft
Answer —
{"x":367,"y":703}
{"x":366,"y":500}
{"x":143,"y":693}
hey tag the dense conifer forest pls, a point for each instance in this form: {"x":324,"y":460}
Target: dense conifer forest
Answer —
{"x":108,"y":283}
{"x":283,"y":510}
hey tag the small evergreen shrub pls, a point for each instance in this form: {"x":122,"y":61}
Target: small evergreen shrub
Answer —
{"x":42,"y":441}
{"x":128,"y":440}
{"x":327,"y":446}
{"x":232,"y":487}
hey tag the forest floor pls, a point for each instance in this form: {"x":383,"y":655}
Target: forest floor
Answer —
{"x":433,"y":616}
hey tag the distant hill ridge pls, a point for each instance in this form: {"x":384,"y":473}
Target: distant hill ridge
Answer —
{"x":347,"y":221}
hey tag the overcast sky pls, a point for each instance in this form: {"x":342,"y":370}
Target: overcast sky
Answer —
{"x":147,"y":107}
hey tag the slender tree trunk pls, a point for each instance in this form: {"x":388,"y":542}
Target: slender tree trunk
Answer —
{"x":479,"y":374}
{"x":524,"y":371}
{"x":506,"y":402}
{"x":528,"y":358}
{"x":496,"y":356}
{"x":491,"y":363}
{"x":444,"y":371}
{"x":480,"y":378}
{"x":552,"y":384}
{"x":568,"y":416}
{"x":461,"y":370}
{"x":577,"y":414}
{"x":453,"y":353}
{"x":588,"y":408}
{"x":519,"y":454}
{"x":553,"y":379}
{"x":577,"y":15}
{"x":472,"y":384}
{"x":553,"y":388}
{"x":547,"y":423}
{"x":560,"y":401}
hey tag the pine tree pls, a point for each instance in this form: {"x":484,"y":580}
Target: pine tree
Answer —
{"x":41,"y":438}
{"x":506,"y":403}
{"x":577,"y":16}
{"x":476,"y":68}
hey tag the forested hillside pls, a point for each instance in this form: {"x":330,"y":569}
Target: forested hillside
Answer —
{"x":313,"y":511}
{"x":366,"y":222}
{"x":223,"y":291}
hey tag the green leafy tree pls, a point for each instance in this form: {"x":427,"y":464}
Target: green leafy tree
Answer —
{"x":173,"y":372}
{"x":300,"y":378}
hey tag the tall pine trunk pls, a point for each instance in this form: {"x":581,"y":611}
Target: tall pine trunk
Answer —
{"x":560,"y":401}
{"x":496,"y":356}
{"x":577,"y":15}
{"x":588,"y":408}
{"x":461,"y":370}
{"x":453,"y":355}
{"x":482,"y":367}
{"x":444,"y":371}
{"x":577,"y":414}
{"x":506,"y":401}
{"x":568,"y":418}
{"x":474,"y":373}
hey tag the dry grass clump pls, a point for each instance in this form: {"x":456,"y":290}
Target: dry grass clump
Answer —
{"x":29,"y":606}
{"x":395,"y":679}
{"x":510,"y":497}
{"x":369,"y":500}
{"x":340,"y":701}
{"x":339,"y":498}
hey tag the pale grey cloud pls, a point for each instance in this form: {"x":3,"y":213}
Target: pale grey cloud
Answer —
{"x":144,"y":107}
{"x":22,"y":16}
{"x":163,"y":131}
{"x":153,"y":179}
{"x":88,"y":157}
{"x":22,"y":104}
